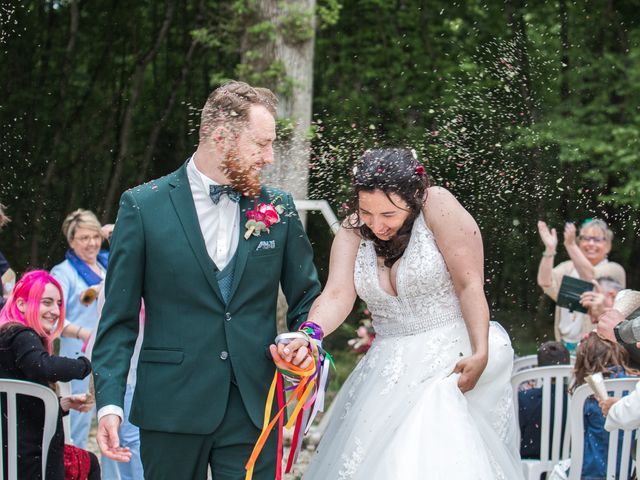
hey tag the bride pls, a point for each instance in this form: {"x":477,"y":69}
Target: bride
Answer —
{"x":431,"y":398}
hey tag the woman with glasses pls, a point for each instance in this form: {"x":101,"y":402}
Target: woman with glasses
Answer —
{"x":85,"y":265}
{"x":587,"y":261}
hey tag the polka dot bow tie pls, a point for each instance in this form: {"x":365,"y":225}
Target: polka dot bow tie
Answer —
{"x":216,"y":191}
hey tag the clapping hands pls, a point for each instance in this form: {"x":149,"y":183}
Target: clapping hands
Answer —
{"x":548,"y":237}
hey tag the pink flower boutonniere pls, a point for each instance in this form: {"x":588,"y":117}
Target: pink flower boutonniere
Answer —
{"x":261,"y":218}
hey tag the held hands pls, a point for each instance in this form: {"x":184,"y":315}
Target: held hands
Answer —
{"x":296,"y":352}
{"x":470,"y":368}
{"x":548,"y":237}
{"x":108,"y":439}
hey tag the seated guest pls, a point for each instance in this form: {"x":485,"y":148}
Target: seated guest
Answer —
{"x":595,"y":355}
{"x":588,"y":253}
{"x":530,"y":401}
{"x":29,"y":322}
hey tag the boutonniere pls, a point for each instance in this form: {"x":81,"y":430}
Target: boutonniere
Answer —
{"x":261,"y":218}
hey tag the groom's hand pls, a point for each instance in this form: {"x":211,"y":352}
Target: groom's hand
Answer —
{"x":296,"y":352}
{"x":108,"y":439}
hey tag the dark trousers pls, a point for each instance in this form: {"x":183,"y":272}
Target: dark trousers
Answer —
{"x":175,"y":456}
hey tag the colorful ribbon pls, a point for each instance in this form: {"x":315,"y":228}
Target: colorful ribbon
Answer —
{"x":309,"y":391}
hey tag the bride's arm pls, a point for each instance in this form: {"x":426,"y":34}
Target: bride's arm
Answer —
{"x":460,"y":242}
{"x":335,"y":302}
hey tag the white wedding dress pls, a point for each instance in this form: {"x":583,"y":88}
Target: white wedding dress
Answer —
{"x":400,"y":414}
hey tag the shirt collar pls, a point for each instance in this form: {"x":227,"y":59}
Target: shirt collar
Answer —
{"x":200,"y":177}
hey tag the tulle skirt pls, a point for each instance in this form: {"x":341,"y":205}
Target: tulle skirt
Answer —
{"x":400,"y":414}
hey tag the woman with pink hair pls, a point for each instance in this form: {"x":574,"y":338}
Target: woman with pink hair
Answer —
{"x":29,"y":322}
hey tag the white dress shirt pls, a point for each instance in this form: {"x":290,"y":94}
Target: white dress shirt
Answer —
{"x":219,"y":225}
{"x":625,"y":413}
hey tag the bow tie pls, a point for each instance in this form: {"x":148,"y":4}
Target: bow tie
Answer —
{"x":216,"y":191}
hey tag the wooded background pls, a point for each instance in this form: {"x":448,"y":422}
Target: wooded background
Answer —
{"x":524,"y":110}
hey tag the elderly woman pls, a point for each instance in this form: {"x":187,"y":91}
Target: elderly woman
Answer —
{"x":84,"y":266}
{"x":588,"y":261}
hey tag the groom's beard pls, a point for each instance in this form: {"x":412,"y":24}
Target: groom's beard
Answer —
{"x":244,"y":179}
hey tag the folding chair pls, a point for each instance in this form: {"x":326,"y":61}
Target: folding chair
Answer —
{"x":51,"y":408}
{"x":617,"y":387}
{"x":553,"y":448}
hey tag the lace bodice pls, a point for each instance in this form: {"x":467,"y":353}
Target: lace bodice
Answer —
{"x":426,"y":298}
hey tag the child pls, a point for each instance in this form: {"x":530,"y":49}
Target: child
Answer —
{"x":595,"y":354}
{"x":29,"y":321}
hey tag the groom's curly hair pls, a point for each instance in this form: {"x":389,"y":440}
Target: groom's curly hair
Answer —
{"x":230,"y":104}
{"x":390,"y":170}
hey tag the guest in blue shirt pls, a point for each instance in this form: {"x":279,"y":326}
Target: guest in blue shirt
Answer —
{"x":85,"y":265}
{"x":593,"y":355}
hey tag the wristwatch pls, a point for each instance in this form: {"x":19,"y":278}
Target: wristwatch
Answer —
{"x":616,"y":333}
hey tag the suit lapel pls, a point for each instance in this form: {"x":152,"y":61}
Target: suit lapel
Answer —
{"x":183,"y":203}
{"x":244,"y":246}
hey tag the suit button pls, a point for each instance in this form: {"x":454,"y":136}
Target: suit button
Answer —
{"x":227,"y":316}
{"x":224,"y":355}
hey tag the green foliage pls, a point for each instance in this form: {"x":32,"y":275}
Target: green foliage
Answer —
{"x":263,"y":31}
{"x":274,"y":74}
{"x":285,"y":128}
{"x":328,"y":12}
{"x":296,"y":26}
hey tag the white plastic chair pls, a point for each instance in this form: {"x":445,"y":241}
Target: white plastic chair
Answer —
{"x":64,"y":390}
{"x":617,"y":387}
{"x":552,"y":449}
{"x":51,"y":408}
{"x":525,"y":362}
{"x":530,"y":361}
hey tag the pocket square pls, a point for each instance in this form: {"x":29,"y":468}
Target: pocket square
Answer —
{"x":266,"y":245}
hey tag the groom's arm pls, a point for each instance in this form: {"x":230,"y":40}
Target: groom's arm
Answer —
{"x":298,"y":278}
{"x":118,"y":327}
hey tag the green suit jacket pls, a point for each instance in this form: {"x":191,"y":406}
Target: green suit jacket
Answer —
{"x":192,"y":339}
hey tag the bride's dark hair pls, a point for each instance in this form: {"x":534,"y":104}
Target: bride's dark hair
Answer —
{"x":390,"y":170}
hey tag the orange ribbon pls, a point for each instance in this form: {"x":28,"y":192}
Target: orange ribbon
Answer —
{"x":300,"y":393}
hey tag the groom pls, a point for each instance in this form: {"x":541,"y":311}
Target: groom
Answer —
{"x":210,"y":290}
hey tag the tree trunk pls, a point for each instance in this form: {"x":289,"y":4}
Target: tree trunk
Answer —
{"x":284,"y":63}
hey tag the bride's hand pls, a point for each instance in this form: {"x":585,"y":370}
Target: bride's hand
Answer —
{"x":470,"y":369}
